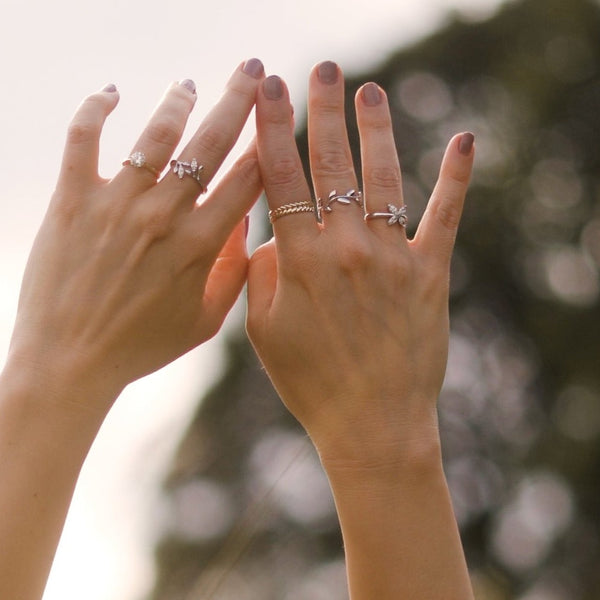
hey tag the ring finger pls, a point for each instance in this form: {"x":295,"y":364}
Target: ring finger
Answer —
{"x":217,"y":133}
{"x":332,"y":170}
{"x":385,"y":211}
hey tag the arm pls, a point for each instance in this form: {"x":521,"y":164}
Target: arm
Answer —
{"x":350,"y":319}
{"x":125,"y":276}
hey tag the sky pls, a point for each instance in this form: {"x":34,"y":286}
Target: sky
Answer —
{"x":53,"y":55}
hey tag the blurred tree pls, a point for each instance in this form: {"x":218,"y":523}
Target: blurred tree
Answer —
{"x":520,"y":410}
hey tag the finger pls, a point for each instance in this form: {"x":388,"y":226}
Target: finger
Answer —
{"x":330,"y":156}
{"x":80,"y":159}
{"x":219,"y":131}
{"x":437,"y":231}
{"x":382,"y":179}
{"x":225,"y":281}
{"x":262,"y":282}
{"x":159,"y":138}
{"x":227,"y":205}
{"x":280,"y":166}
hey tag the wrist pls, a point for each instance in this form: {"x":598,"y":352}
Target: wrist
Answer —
{"x":57,"y":386}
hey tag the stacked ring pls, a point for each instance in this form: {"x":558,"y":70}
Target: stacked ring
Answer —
{"x":137,"y":159}
{"x":291,"y":209}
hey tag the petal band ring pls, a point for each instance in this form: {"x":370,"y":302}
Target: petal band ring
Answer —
{"x":192,"y":168}
{"x":347,"y":198}
{"x":395,"y":215}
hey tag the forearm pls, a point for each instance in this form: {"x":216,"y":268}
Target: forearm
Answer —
{"x":43,"y":443}
{"x":400,"y":535}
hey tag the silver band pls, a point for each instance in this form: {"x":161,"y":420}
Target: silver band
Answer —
{"x":347,"y":198}
{"x":192,"y":168}
{"x":291,"y":209}
{"x":137,"y":159}
{"x":395,"y":215}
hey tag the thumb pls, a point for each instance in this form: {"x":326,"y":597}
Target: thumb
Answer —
{"x":262,"y":283}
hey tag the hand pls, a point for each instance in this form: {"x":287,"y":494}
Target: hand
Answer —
{"x":128,"y":274}
{"x":350,"y":318}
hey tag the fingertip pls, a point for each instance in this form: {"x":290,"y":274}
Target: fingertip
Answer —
{"x":273,"y":88}
{"x":466,"y":143}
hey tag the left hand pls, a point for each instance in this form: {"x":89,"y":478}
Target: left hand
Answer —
{"x":350,"y":318}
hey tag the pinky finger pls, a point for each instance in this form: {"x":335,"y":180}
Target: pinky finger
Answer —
{"x":437,"y":231}
{"x":80,"y":159}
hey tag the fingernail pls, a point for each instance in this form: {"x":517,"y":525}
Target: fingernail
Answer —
{"x":111,"y":87}
{"x":188,"y":84}
{"x":254,"y":68}
{"x":273,"y":87}
{"x":327,"y":72}
{"x":247,"y":225}
{"x":466,"y":143}
{"x":371,"y":94}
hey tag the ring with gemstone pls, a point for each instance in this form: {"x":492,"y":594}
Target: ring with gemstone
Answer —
{"x":192,"y":168}
{"x":138,"y":160}
{"x":347,"y":198}
{"x":395,"y":215}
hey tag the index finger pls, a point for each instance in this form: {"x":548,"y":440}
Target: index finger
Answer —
{"x":437,"y":231}
{"x":281,"y":169}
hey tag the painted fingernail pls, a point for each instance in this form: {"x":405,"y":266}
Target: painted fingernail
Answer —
{"x":466,"y":143}
{"x":254,"y":68}
{"x":371,"y":94}
{"x":273,"y":87}
{"x":327,"y":72}
{"x":189,"y":85}
{"x":110,"y":87}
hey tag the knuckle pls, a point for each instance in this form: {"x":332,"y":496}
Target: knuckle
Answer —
{"x":355,"y":257}
{"x":82,"y":132}
{"x":283,"y":173}
{"x":331,"y":159}
{"x":164,"y":131}
{"x":448,"y":213}
{"x":387,"y":178}
{"x":213,"y":140}
{"x":246,"y":169}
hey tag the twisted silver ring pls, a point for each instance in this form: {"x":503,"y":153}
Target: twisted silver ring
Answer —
{"x":347,"y":198}
{"x":137,"y":159}
{"x":193,"y":169}
{"x":395,"y":215}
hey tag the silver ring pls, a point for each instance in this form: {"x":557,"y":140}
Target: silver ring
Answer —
{"x":137,"y":159}
{"x":192,"y":168}
{"x":347,"y":198}
{"x":395,"y":215}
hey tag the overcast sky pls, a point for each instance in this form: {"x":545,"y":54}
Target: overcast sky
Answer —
{"x":54,"y":54}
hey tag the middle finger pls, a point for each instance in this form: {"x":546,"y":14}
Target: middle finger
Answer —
{"x":333,"y":175}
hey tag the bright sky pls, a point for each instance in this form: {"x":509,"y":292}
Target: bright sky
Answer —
{"x":54,"y":54}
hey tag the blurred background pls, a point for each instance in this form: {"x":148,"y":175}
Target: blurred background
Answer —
{"x":200,"y":485}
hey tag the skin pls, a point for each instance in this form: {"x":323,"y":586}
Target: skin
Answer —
{"x":350,"y":319}
{"x":125,"y":275}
